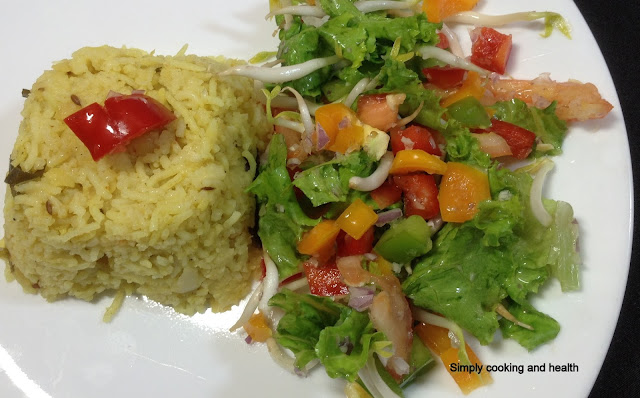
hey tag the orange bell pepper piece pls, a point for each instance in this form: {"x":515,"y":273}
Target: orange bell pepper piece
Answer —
{"x":341,"y":124}
{"x":437,"y":10}
{"x":471,"y":87}
{"x":258,"y":328}
{"x":410,"y":160}
{"x":437,"y":339}
{"x":462,"y":188}
{"x":320,"y":238}
{"x":357,"y":219}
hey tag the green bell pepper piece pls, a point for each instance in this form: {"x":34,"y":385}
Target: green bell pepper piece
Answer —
{"x":405,"y":240}
{"x":470,"y":112}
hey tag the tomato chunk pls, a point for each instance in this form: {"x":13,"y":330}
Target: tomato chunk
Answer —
{"x":325,"y":280}
{"x":443,"y":42}
{"x":490,"y":49}
{"x":377,"y":111}
{"x":444,"y":77}
{"x":104,"y":129}
{"x":420,"y":195}
{"x":348,"y":246}
{"x":414,"y":137}
{"x":520,"y":140}
{"x":386,"y":194}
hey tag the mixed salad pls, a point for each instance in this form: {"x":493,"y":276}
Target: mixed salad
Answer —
{"x":400,"y":198}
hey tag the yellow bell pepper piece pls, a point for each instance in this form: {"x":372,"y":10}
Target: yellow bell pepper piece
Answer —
{"x":410,"y":160}
{"x":471,"y":87}
{"x":357,"y":219}
{"x":462,"y":188}
{"x":437,"y":10}
{"x":319,"y":238}
{"x":258,"y":328}
{"x":438,"y":341}
{"x":342,"y":126}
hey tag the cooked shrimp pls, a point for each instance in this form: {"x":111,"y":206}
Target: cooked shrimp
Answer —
{"x":576,"y":101}
{"x":389,"y":312}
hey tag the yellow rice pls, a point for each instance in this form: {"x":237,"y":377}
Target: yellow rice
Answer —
{"x":168,"y":218}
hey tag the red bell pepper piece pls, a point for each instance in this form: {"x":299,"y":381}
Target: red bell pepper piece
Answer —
{"x":414,"y":137}
{"x":104,"y":129}
{"x":93,"y":126}
{"x":325,"y":280}
{"x":490,"y":49}
{"x":420,"y":194}
{"x":444,"y":77}
{"x":520,"y":140}
{"x":348,"y":246}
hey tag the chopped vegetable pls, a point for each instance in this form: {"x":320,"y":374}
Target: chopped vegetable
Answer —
{"x":325,"y":280}
{"x":357,"y":219}
{"x":471,"y":86}
{"x":490,"y":49}
{"x":437,"y":10}
{"x":469,"y":112}
{"x":380,"y":110}
{"x":444,"y":77}
{"x":257,"y":328}
{"x":411,"y":160}
{"x":319,"y":238}
{"x":420,"y":194}
{"x":520,"y":140}
{"x":461,"y":190}
{"x":438,"y":341}
{"x":405,"y":240}
{"x":342,"y":127}
{"x":386,"y":194}
{"x":105,"y":129}
{"x":414,"y":137}
{"x":348,"y":246}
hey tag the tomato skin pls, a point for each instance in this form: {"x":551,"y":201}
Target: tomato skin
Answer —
{"x":443,"y":43}
{"x":520,"y":140}
{"x":386,"y":194}
{"x":420,"y":194}
{"x":325,"y":280}
{"x":105,"y":129}
{"x":421,"y":137}
{"x":348,"y":246}
{"x":491,"y":49}
{"x":444,"y":77}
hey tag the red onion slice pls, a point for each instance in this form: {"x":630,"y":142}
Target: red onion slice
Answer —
{"x":387,"y":216}
{"x":323,"y":138}
{"x":360,"y":298}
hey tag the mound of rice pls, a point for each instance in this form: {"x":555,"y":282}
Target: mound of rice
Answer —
{"x":168,"y":218}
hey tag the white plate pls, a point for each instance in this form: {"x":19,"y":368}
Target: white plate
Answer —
{"x":63,"y":349}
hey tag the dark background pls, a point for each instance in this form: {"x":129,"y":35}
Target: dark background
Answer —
{"x":616,"y":27}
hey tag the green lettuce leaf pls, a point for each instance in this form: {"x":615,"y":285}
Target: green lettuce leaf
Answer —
{"x":543,"y":122}
{"x":329,"y":182}
{"x":544,"y":327}
{"x":318,"y":327}
{"x":502,"y":253}
{"x":282,"y":221}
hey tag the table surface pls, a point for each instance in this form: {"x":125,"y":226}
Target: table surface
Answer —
{"x":614,"y":26}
